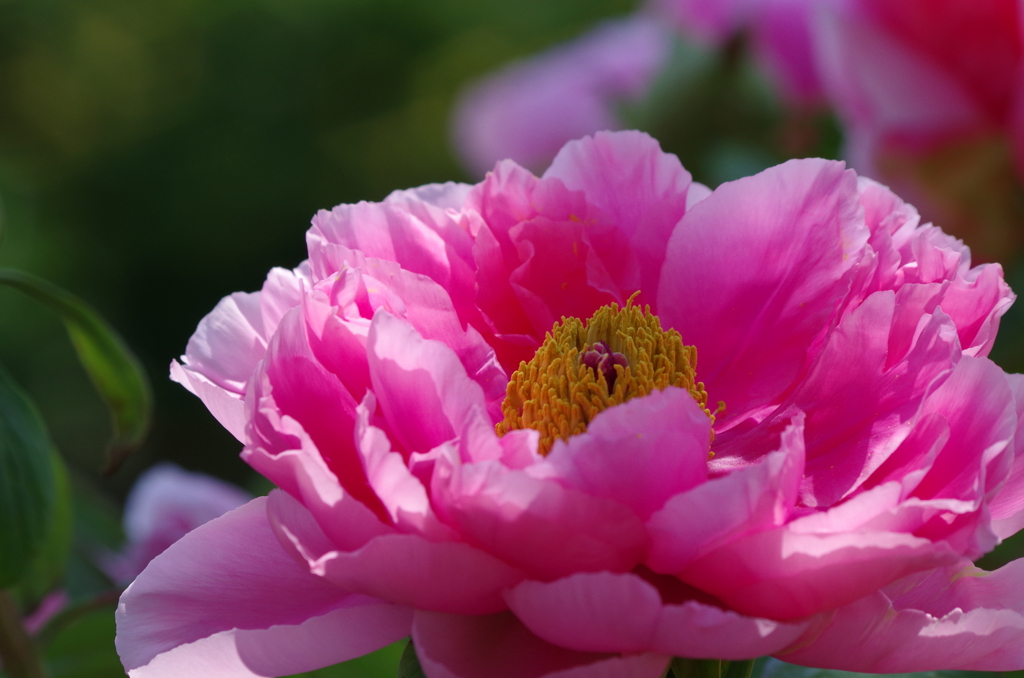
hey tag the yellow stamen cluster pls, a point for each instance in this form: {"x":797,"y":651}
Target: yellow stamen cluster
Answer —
{"x":557,"y":394}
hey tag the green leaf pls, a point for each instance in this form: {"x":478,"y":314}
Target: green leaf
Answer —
{"x":27,"y":482}
{"x":409,"y":664}
{"x":46,"y":570}
{"x":113,"y":368}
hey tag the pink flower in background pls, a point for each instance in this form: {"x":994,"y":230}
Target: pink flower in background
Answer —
{"x":528,"y":110}
{"x":166,"y":503}
{"x":918,"y":72}
{"x":482,"y":440}
{"x":779,"y":30}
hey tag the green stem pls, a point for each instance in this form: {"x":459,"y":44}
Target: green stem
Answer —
{"x":740,"y":669}
{"x":16,"y":649}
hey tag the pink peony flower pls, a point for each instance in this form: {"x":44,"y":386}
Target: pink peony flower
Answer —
{"x":930,"y":97}
{"x":592,"y":510}
{"x":528,"y":110}
{"x":165,"y":504}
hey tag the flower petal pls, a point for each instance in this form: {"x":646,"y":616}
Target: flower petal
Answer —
{"x":623,"y":613}
{"x":955,"y":618}
{"x":752,"y":275}
{"x":642,"y":190}
{"x":228,"y":596}
{"x":638,"y":453}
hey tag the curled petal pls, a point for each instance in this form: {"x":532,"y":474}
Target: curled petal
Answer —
{"x":228,"y":597}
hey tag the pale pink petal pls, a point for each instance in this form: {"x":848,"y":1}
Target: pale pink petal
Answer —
{"x":282,"y":292}
{"x":639,"y":453}
{"x":499,"y":646}
{"x":641,"y":189}
{"x":957,"y":618}
{"x":696,"y":193}
{"x":251,"y":606}
{"x":339,"y":635}
{"x":752,"y":275}
{"x":623,"y":613}
{"x":229,"y":342}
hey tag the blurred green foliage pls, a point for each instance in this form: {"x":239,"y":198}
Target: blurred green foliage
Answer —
{"x":156,"y":155}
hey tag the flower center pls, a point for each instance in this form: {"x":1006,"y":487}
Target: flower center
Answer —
{"x":583,"y":368}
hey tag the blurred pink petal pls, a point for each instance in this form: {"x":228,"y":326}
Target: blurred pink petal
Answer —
{"x":527,"y":111}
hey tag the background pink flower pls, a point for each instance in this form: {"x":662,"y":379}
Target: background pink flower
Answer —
{"x":865,"y":455}
{"x":166,"y":503}
{"x":529,"y":109}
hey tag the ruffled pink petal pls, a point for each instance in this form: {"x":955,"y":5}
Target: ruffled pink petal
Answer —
{"x":955,"y":618}
{"x":401,"y":492}
{"x":424,"y":391}
{"x":639,"y":453}
{"x":752,"y":276}
{"x":499,"y":646}
{"x":756,"y":497}
{"x":292,"y":383}
{"x":382,"y":231}
{"x":338,"y":339}
{"x":535,"y":523}
{"x":229,"y":342}
{"x":403,"y":568}
{"x":641,"y":189}
{"x":975,"y":304}
{"x":281,"y":450}
{"x":227,"y":596}
{"x":979,"y":454}
{"x":623,"y":613}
